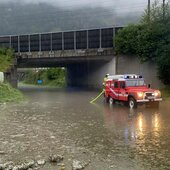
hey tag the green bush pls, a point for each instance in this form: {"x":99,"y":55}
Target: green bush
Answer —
{"x":50,"y":77}
{"x":164,"y":69}
{"x":149,"y":40}
{"x":9,"y":94}
{"x":165,"y":92}
{"x":6,"y":58}
{"x":126,"y":40}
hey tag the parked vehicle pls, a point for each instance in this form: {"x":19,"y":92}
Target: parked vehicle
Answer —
{"x":131,"y":89}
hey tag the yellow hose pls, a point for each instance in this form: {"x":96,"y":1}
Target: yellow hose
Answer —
{"x":97,"y":96}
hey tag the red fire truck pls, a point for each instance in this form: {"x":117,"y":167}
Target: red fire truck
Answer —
{"x":131,"y":89}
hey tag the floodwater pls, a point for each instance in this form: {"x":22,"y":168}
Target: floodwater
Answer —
{"x":105,"y":137}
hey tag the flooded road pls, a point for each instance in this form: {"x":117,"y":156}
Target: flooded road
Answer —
{"x":104,"y":137}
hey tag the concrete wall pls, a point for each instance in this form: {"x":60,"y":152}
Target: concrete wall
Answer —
{"x":131,"y":64}
{"x":89,"y":74}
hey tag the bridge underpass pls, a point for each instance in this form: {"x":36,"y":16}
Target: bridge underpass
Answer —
{"x":86,"y":72}
{"x":81,"y":72}
{"x":86,"y":54}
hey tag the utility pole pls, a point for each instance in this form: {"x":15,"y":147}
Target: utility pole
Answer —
{"x":163,"y":9}
{"x":149,"y":11}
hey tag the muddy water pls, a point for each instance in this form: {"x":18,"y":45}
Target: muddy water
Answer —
{"x":64,"y":122}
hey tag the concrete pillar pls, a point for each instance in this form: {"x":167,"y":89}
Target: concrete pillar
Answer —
{"x":11,"y":75}
{"x":14,"y":81}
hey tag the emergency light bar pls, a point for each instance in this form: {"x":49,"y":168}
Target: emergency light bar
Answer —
{"x":115,"y":77}
{"x":124,"y":76}
{"x":132,"y":76}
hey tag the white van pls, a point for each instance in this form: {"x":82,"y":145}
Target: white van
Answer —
{"x":1,"y":77}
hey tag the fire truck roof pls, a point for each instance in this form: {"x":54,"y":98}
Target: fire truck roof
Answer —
{"x":124,"y":77}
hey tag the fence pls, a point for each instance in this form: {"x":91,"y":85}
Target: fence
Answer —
{"x":70,"y":40}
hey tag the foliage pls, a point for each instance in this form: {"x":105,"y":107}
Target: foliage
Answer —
{"x":165,"y":92}
{"x":50,"y":76}
{"x":6,"y":58}
{"x":126,"y":39}
{"x":9,"y":94}
{"x":163,"y":63}
{"x":149,"y":40}
{"x":56,"y":77}
{"x":54,"y":73}
{"x":156,"y":13}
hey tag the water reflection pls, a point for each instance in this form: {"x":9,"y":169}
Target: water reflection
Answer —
{"x":155,"y":122}
{"x":134,"y":124}
{"x":140,"y":122}
{"x":139,"y":129}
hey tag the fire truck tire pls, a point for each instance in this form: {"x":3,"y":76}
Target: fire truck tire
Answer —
{"x":111,"y":101}
{"x":132,"y":103}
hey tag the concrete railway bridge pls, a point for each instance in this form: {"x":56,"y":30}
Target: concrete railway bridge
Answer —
{"x":86,"y":54}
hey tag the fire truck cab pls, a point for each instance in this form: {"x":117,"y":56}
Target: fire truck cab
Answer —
{"x":132,"y":89}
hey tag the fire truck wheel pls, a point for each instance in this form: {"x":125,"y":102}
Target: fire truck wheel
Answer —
{"x":132,"y":103}
{"x":111,"y":100}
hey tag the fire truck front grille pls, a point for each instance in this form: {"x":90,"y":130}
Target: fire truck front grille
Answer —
{"x":148,"y":95}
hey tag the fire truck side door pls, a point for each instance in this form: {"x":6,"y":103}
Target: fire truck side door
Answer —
{"x":122,"y":91}
{"x":115,"y":90}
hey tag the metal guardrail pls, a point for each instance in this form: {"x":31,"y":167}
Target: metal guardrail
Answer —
{"x":70,"y":40}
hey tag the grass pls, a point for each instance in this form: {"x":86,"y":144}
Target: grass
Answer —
{"x":9,"y":94}
{"x":57,"y":83}
{"x":165,"y":92}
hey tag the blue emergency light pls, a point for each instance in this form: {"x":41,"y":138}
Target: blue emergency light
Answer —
{"x":132,"y":76}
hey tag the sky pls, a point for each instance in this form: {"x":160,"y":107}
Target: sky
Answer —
{"x":79,"y":3}
{"x":113,"y":8}
{"x":119,"y":6}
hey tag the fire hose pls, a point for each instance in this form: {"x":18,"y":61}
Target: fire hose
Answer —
{"x":97,"y":96}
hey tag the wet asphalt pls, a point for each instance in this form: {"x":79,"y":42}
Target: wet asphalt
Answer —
{"x":62,"y":121}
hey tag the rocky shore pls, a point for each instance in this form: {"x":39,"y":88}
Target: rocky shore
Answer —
{"x":37,"y":164}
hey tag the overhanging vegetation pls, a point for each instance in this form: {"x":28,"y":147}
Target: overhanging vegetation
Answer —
{"x":149,"y":40}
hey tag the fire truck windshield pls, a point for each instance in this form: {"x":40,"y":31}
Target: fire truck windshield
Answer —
{"x":137,"y":82}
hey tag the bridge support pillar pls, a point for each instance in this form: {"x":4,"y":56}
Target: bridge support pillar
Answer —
{"x":11,"y":76}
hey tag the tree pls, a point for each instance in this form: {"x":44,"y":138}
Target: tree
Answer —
{"x":149,"y":40}
{"x":126,"y":40}
{"x":6,"y":58}
{"x":164,"y":69}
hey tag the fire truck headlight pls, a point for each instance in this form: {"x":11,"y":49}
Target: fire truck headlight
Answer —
{"x":140,"y":94}
{"x":157,"y":93}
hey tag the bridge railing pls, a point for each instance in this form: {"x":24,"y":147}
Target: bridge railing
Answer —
{"x":70,"y":40}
